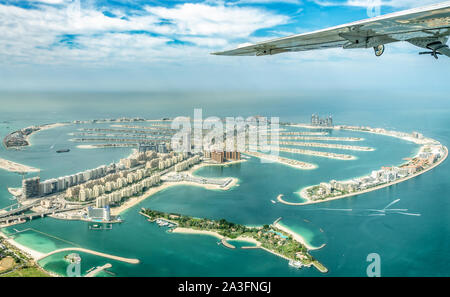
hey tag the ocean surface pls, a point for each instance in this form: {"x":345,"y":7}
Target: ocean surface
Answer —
{"x":407,"y":245}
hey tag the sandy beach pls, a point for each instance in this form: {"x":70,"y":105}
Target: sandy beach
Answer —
{"x":86,"y":146}
{"x":215,"y":234}
{"x":51,"y":126}
{"x":16,"y":167}
{"x":250,"y":240}
{"x":297,"y":237}
{"x":194,"y":231}
{"x":30,"y":252}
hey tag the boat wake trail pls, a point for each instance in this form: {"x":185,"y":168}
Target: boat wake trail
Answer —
{"x":371,"y":212}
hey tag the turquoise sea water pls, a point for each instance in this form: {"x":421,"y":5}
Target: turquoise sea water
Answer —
{"x":408,"y":245}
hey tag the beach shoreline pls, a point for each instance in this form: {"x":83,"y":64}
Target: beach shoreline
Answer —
{"x":33,"y":254}
{"x":43,"y":128}
{"x":297,"y":237}
{"x":183,"y":230}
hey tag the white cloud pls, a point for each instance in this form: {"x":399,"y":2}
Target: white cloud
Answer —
{"x":207,"y":42}
{"x":202,"y":19}
{"x":34,"y":35}
{"x":49,"y":1}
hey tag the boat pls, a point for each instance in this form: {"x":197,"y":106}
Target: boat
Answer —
{"x":63,"y":151}
{"x":273,"y":201}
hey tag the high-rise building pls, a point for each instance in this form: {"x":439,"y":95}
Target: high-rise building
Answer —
{"x":30,"y":187}
{"x":326,"y":122}
{"x":162,"y":148}
{"x":217,"y":156}
{"x":222,"y":156}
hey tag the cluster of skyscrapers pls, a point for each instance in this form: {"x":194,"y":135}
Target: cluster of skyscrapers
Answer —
{"x":319,"y":122}
{"x":222,"y":156}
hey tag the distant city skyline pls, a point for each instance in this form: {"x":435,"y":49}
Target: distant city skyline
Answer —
{"x":166,"y":45}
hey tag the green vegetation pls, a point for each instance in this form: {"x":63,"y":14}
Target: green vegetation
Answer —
{"x":27,"y":272}
{"x":21,"y":266}
{"x":268,"y":236}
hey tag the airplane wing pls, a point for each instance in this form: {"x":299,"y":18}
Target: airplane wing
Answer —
{"x":426,"y":27}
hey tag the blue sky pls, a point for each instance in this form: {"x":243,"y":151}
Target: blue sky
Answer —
{"x":165,"y":45}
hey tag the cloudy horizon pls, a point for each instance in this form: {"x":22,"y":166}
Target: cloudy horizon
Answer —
{"x":166,"y":45}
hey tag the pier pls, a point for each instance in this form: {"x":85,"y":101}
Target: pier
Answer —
{"x":226,"y":244}
{"x":98,"y":269}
